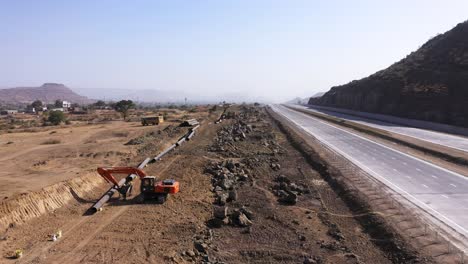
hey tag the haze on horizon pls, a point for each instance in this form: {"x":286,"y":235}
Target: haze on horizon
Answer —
{"x":270,"y":50}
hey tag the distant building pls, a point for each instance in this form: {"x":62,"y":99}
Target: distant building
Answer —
{"x":66,"y":104}
{"x":8,"y":112}
{"x":61,"y":109}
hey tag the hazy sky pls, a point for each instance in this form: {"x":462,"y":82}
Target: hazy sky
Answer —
{"x":273,"y":49}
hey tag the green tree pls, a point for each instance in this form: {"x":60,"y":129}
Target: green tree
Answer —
{"x":36,"y":104}
{"x":99,"y":104}
{"x":123,"y":107}
{"x":56,"y":117}
{"x":58,"y":103}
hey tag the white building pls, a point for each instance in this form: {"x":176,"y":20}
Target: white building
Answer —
{"x":66,"y":104}
{"x":57,"y":109}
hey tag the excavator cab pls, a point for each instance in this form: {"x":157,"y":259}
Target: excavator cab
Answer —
{"x":153,"y":190}
{"x":147,"y":184}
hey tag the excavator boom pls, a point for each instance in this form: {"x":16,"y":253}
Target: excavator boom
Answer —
{"x":106,"y":173}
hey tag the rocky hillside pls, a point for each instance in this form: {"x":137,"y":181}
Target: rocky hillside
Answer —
{"x":429,"y":84}
{"x":48,"y":93}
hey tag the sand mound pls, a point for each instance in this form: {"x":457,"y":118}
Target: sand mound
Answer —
{"x":19,"y":209}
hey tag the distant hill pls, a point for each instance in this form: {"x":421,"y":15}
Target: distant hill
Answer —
{"x":48,"y":93}
{"x":166,"y":96}
{"x":319,"y":94}
{"x":298,"y":100}
{"x":429,"y":84}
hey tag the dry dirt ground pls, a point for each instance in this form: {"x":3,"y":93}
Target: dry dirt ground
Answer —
{"x":247,"y":157}
{"x":34,"y":160}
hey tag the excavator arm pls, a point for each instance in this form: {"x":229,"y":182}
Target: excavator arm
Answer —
{"x":106,"y":173}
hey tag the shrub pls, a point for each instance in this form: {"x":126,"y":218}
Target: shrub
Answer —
{"x":56,"y":117}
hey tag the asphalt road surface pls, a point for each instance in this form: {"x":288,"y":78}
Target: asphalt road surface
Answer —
{"x":440,"y":192}
{"x":452,"y":141}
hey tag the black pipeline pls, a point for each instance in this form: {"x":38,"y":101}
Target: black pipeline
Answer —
{"x":113,"y":190}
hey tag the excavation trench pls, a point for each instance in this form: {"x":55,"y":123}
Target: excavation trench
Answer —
{"x":19,"y":209}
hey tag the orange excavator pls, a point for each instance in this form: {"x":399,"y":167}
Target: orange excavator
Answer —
{"x":150,"y":188}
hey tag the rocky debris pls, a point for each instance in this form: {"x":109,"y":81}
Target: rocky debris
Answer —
{"x":228,"y":135}
{"x":275,"y":166}
{"x":227,"y":176}
{"x":287,"y":191}
{"x":239,"y":217}
{"x":333,"y":246}
{"x":220,"y":212}
{"x":241,"y":130}
{"x":335,"y":232}
{"x":40,"y":163}
{"x":313,"y":260}
{"x":287,"y":197}
{"x":202,"y":244}
{"x":333,"y":229}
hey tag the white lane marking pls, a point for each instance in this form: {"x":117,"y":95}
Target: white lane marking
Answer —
{"x":424,"y":185}
{"x":405,"y":133}
{"x":372,"y":142}
{"x":453,"y":185}
{"x":373,"y":172}
{"x":418,"y":169}
{"x":445,"y":196}
{"x":433,"y":176}
{"x":409,"y":177}
{"x":395,"y":170}
{"x":393,"y":158}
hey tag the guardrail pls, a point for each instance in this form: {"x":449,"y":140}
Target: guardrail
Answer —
{"x":354,"y":175}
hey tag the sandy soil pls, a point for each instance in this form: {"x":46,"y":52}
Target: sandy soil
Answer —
{"x":29,"y":164}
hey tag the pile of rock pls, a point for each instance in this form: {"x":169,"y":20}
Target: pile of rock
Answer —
{"x":202,"y":243}
{"x":226,"y":176}
{"x":228,"y":135}
{"x":223,"y":215}
{"x":287,"y":191}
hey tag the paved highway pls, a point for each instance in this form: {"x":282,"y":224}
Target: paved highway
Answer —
{"x":440,"y":192}
{"x":452,"y":141}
